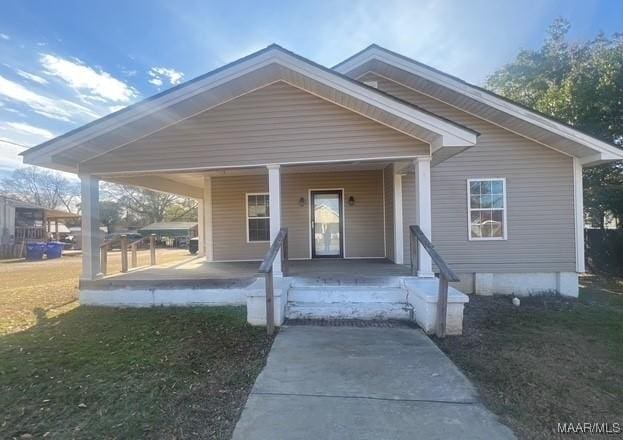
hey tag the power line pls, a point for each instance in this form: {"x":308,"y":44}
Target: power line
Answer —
{"x":14,"y":143}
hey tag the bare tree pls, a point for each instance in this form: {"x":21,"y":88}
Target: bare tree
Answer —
{"x":42,"y":187}
{"x":150,"y":206}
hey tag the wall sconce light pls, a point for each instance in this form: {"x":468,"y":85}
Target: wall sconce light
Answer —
{"x":302,"y":202}
{"x":351,"y":201}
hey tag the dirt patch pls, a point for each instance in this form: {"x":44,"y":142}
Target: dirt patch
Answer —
{"x":552,"y":360}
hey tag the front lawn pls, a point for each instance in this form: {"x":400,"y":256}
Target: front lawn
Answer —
{"x":135,"y":373}
{"x":32,"y":289}
{"x":550,"y":360}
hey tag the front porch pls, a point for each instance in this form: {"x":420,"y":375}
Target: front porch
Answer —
{"x":198,"y":269}
{"x":313,"y":289}
{"x":348,"y":241}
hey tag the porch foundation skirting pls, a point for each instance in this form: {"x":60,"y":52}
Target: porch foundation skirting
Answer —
{"x":136,"y":297}
{"x":256,"y":301}
{"x":394,"y":297}
{"x":520,"y":284}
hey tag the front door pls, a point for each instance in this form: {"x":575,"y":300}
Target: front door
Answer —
{"x":326,"y":224}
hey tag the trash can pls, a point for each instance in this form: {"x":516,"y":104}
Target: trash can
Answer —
{"x":35,"y":251}
{"x":54,"y":249}
{"x":193,"y":245}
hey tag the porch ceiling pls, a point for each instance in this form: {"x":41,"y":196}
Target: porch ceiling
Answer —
{"x":190,"y":184}
{"x":69,"y":152}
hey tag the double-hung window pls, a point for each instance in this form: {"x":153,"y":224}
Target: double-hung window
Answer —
{"x":258,"y":217}
{"x":486,"y":206}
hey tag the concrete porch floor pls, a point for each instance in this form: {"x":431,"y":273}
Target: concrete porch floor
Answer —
{"x":196,"y":268}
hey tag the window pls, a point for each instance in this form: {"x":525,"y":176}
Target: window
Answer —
{"x":486,"y":203}
{"x":258,"y":217}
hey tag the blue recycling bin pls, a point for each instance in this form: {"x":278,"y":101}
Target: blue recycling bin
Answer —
{"x":35,"y":251}
{"x":54,"y":249}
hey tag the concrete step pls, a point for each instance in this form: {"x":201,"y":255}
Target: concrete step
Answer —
{"x":348,"y":310}
{"x":347,"y":294}
{"x":346,"y":281}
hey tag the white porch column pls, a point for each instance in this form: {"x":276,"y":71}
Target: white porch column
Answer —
{"x":201,"y":226}
{"x":398,"y":219}
{"x":207,"y":218}
{"x":274,"y":200}
{"x":89,"y":187}
{"x":578,"y":201}
{"x":423,"y":216}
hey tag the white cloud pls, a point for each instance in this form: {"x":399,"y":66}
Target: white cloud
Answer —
{"x":116,"y":108}
{"x":155,"y":81}
{"x":82,"y":78}
{"x":161,"y":74}
{"x":4,"y":36}
{"x":32,"y":77}
{"x":9,"y":157}
{"x":29,"y":129}
{"x":15,"y":137}
{"x":59,"y":109}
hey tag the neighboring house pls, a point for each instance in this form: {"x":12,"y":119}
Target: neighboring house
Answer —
{"x":390,"y":141}
{"x":609,"y":221}
{"x":22,"y":222}
{"x":173,"y":233}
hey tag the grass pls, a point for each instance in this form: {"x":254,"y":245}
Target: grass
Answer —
{"x":106,"y":373}
{"x":550,"y":360}
{"x":88,"y":372}
{"x":50,"y":287}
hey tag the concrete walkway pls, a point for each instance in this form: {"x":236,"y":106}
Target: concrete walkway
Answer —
{"x":362,"y":383}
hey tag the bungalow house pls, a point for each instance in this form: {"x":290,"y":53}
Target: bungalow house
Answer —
{"x":347,"y":159}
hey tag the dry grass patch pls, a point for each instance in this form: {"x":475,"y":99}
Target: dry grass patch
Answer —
{"x":30,"y":290}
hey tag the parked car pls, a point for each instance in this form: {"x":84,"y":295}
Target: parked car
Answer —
{"x":132,"y":236}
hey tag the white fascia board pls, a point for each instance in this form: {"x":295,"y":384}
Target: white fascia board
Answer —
{"x":159,"y":104}
{"x":502,"y":105}
{"x":451,"y":134}
{"x":599,"y":158}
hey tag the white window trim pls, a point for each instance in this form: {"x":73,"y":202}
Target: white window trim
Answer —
{"x":246,"y":214}
{"x":469,"y":210}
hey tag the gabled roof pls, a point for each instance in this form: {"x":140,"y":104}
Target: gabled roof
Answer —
{"x":264,"y":67}
{"x":50,"y":213}
{"x":481,"y":103}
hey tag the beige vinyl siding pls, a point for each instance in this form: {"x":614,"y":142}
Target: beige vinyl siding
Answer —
{"x":275,"y":124}
{"x":363,"y":222}
{"x":229,"y":217}
{"x":388,"y":194}
{"x":539,"y":186}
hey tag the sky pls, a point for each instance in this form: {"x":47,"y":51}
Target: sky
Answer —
{"x":66,"y":63}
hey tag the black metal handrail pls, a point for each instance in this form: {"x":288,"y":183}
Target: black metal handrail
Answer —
{"x":445,"y":274}
{"x":266,"y":267}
